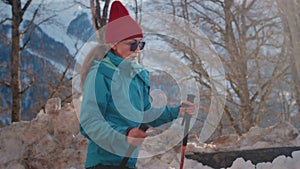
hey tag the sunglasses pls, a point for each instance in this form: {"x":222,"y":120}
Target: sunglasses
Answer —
{"x":134,"y":45}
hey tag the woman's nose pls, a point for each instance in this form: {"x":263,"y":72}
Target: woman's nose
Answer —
{"x":138,"y":50}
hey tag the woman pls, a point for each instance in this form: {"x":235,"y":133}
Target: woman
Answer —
{"x":116,"y":96}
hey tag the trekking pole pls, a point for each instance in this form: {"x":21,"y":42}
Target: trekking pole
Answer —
{"x":144,"y":127}
{"x":186,"y":120}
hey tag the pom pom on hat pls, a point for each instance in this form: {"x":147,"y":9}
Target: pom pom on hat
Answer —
{"x":121,"y":25}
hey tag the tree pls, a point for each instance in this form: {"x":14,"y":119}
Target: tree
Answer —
{"x":289,"y":13}
{"x":15,"y":84}
{"x":21,"y":34}
{"x":99,"y":18}
{"x":247,"y":35}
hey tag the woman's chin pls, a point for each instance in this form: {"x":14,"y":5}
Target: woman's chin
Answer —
{"x":131,"y":58}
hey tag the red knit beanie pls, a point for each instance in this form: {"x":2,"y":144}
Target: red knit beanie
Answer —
{"x":121,"y":25}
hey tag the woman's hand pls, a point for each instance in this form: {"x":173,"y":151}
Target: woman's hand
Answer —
{"x":136,"y":136}
{"x":187,"y":107}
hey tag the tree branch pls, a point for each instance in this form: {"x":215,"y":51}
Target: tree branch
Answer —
{"x":232,"y":121}
{"x":25,"y":8}
{"x":104,"y":17}
{"x":4,"y":20}
{"x":6,"y":84}
{"x":32,"y":30}
{"x":61,"y":80}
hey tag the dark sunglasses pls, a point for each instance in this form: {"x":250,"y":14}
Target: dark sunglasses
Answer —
{"x":134,"y":45}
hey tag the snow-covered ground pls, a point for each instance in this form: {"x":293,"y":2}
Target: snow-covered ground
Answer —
{"x":281,"y":135}
{"x":66,"y":11}
{"x":281,"y":162}
{"x":169,"y":161}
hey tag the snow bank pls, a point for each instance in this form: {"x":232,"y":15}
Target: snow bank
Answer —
{"x":281,"y":135}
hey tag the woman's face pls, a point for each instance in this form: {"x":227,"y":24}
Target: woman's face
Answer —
{"x":124,"y":50}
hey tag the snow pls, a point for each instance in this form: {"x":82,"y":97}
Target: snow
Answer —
{"x":264,"y":165}
{"x":65,"y":12}
{"x":59,"y":67}
{"x":241,"y":163}
{"x":170,"y":159}
{"x":62,"y":13}
{"x":280,"y":162}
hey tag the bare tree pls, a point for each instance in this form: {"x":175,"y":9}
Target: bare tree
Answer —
{"x":248,"y":38}
{"x":99,"y":17}
{"x":289,"y":12}
{"x":17,"y":85}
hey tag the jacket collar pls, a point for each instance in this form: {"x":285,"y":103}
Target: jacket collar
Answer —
{"x":129,"y":68}
{"x":116,"y":60}
{"x":124,"y":65}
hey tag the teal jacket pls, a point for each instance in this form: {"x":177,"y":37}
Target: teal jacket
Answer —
{"x":116,"y":98}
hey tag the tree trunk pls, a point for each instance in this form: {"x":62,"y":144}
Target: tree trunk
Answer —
{"x":15,"y":62}
{"x":246,"y":109}
{"x":291,"y":19}
{"x":237,"y":55}
{"x":99,"y":19}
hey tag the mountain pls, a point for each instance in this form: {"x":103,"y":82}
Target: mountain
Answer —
{"x":44,"y":59}
{"x":53,"y":43}
{"x":81,"y":27}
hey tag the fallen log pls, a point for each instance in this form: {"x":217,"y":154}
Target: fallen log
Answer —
{"x":218,"y":160}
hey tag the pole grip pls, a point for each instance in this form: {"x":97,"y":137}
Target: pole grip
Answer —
{"x":191,"y":98}
{"x":144,"y":127}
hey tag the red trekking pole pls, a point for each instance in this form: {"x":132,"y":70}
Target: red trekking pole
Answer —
{"x":186,"y":120}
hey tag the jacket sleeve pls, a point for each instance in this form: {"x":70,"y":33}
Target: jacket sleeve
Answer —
{"x":169,"y":114}
{"x":93,"y":124}
{"x":160,"y":116}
